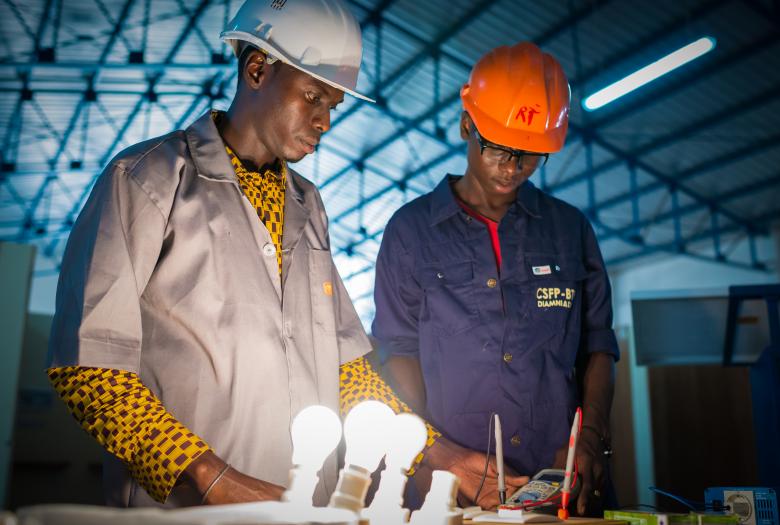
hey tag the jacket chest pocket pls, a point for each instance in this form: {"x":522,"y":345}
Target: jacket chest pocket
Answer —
{"x":553,"y":289}
{"x":543,"y":295}
{"x":449,"y":304}
{"x":321,"y":289}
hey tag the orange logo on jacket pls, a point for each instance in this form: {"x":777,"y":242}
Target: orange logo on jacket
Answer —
{"x":327,"y":287}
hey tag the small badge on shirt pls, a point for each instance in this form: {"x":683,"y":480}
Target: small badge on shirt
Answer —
{"x":542,"y":270}
{"x":327,"y":287}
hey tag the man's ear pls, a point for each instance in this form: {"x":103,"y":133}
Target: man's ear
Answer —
{"x":465,"y":125}
{"x":255,"y":69}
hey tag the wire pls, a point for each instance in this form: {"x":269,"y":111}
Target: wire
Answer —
{"x":682,"y":500}
{"x":487,"y":458}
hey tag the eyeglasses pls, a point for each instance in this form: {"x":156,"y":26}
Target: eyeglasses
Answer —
{"x":501,"y":154}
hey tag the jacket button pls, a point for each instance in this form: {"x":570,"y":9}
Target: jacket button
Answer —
{"x":491,"y":283}
{"x":507,"y":357}
{"x":440,"y":275}
{"x":269,"y":250}
{"x":515,"y":441}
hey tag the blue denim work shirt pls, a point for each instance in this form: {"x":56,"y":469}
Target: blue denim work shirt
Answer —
{"x":495,"y":342}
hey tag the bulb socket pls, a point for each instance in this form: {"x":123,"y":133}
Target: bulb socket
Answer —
{"x":351,"y":489}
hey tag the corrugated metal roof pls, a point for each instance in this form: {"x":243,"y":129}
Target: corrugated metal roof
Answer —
{"x":707,"y":130}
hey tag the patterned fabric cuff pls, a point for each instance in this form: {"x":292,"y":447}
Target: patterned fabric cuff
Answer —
{"x":126,"y":418}
{"x":360,"y":382}
{"x":166,"y":452}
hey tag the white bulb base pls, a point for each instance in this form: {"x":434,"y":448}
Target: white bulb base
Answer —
{"x":387,"y":507}
{"x":303,"y":481}
{"x":351,"y":489}
{"x":439,"y":506}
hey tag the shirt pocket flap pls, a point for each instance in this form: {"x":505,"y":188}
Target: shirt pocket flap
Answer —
{"x":447,"y":274}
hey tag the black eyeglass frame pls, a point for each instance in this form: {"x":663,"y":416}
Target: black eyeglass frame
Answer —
{"x":513,"y":153}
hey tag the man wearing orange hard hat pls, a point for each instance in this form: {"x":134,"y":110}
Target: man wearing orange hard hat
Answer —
{"x":492,"y":296}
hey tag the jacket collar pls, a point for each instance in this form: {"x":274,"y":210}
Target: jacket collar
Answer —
{"x":444,"y":205}
{"x":212,"y":161}
{"x":208,"y":151}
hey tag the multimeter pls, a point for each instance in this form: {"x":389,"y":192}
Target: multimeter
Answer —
{"x":544,"y":485}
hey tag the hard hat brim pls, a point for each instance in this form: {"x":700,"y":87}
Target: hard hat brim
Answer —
{"x":275,"y":52}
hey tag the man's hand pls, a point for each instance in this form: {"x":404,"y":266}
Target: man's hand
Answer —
{"x":235,"y":487}
{"x":591,"y":466}
{"x":469,"y":465}
{"x":232,"y":487}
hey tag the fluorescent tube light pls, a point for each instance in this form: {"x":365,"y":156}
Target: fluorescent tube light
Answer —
{"x":649,"y":73}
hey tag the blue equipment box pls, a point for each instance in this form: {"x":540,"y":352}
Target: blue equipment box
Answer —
{"x":753,"y":505}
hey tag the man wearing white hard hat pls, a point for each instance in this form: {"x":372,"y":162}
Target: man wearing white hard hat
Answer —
{"x":198,"y":307}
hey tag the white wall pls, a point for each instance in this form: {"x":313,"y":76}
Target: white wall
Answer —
{"x":677,"y":273}
{"x":42,"y":294}
{"x":673,"y":273}
{"x":16,"y":263}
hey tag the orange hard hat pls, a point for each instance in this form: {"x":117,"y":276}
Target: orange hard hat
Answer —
{"x":519,"y":97}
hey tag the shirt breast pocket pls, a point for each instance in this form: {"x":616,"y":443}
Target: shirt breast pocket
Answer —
{"x":555,"y":286}
{"x":449,"y":304}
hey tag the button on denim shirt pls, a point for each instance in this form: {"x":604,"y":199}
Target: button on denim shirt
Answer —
{"x":489,"y":341}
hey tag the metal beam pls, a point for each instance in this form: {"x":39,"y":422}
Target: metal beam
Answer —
{"x":29,"y":216}
{"x":668,"y":180}
{"x":703,"y":235}
{"x":116,"y":31}
{"x":134,"y":112}
{"x":188,"y":27}
{"x":89,"y":67}
{"x":730,"y":111}
{"x":417,"y":59}
{"x":693,"y":207}
{"x":696,"y":170}
{"x":63,"y":140}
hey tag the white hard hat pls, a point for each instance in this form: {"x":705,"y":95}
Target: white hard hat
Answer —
{"x":319,"y":37}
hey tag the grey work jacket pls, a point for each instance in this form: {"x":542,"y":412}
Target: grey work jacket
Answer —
{"x":169,"y":273}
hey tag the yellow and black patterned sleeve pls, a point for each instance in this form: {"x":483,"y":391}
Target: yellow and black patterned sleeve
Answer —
{"x":128,"y":420}
{"x":360,"y":382}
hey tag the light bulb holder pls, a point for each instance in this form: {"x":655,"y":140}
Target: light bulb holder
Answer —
{"x":303,"y":482}
{"x":439,"y":505}
{"x":351,"y":489}
{"x":387,"y":506}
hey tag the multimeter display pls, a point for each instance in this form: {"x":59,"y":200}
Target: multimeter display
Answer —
{"x":545,"y":485}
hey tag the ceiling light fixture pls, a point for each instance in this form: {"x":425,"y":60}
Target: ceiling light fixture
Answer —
{"x":649,"y":73}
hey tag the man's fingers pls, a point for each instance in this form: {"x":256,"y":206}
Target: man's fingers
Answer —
{"x":598,"y":474}
{"x":586,"y":478}
{"x":582,"y":501}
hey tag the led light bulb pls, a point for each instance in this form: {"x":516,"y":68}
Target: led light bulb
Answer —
{"x":407,"y":439}
{"x":365,"y":431}
{"x":316,"y":431}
